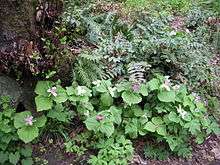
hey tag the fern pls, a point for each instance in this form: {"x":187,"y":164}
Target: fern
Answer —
{"x":86,"y":71}
{"x":137,"y":71}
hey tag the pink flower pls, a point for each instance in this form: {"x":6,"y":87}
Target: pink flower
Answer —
{"x":135,"y":87}
{"x":99,"y":117}
{"x":53,"y":91}
{"x":166,"y":83}
{"x":29,"y":120}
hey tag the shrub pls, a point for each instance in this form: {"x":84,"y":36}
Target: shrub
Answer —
{"x":157,"y":108}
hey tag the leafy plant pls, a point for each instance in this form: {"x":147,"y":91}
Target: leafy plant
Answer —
{"x":157,"y":107}
{"x":14,"y":128}
{"x":113,"y":151}
{"x":156,"y":152}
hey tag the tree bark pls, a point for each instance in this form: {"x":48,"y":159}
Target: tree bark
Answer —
{"x":16,"y":20}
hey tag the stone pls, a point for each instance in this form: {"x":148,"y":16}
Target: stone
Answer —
{"x":10,"y":87}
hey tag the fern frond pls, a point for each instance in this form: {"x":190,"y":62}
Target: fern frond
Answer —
{"x":137,"y":71}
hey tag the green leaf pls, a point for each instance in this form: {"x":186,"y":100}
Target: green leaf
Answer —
{"x":131,"y":98}
{"x":144,"y":90}
{"x":3,"y":157}
{"x":153,"y":84}
{"x":193,"y":126}
{"x":103,"y":87}
{"x":106,"y":99}
{"x":92,"y":123}
{"x":43,"y":103}
{"x":131,"y":128}
{"x":14,"y":158}
{"x":166,"y":96}
{"x":157,"y":120}
{"x":107,"y":128}
{"x":149,"y":126}
{"x":40,"y":121}
{"x":173,"y":117}
{"x":61,"y":95}
{"x":123,"y":86}
{"x":27,"y":151}
{"x":19,"y":119}
{"x":138,"y":112}
{"x":161,"y":130}
{"x":27,"y":134}
{"x":70,"y":91}
{"x":42,"y":87}
{"x":116,"y":114}
{"x":27,"y":161}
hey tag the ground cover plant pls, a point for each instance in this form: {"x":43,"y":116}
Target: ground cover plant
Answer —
{"x":116,"y":79}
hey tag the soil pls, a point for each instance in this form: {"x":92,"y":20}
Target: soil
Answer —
{"x":207,"y":153}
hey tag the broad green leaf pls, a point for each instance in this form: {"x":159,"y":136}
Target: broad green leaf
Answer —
{"x":116,"y":114}
{"x":123,"y":86}
{"x":3,"y":157}
{"x":61,"y":95}
{"x":70,"y":91}
{"x":40,"y":121}
{"x":193,"y":126}
{"x":173,"y":117}
{"x":138,"y":112}
{"x":150,"y":126}
{"x":19,"y":119}
{"x":42,"y":87}
{"x":27,"y":161}
{"x":144,"y":90}
{"x":166,"y":96}
{"x":27,"y":134}
{"x":43,"y":103}
{"x":107,"y":128}
{"x":103,"y":86}
{"x":131,"y":128}
{"x":92,"y":123}
{"x":153,"y":84}
{"x":27,"y":151}
{"x":161,"y":130}
{"x":14,"y":158}
{"x":131,"y":98}
{"x":157,"y":120}
{"x":106,"y":99}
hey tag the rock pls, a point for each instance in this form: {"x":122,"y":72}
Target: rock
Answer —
{"x":10,"y":87}
{"x":216,"y":152}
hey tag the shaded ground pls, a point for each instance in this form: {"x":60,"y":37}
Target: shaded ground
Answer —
{"x":206,"y":154}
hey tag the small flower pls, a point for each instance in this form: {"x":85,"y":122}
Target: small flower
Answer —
{"x":80,"y":90}
{"x":166,"y":83}
{"x":53,"y":91}
{"x":181,"y":112}
{"x":97,"y":82}
{"x":197,"y":97}
{"x":197,"y":110}
{"x":99,"y":117}
{"x":176,"y":87}
{"x":172,"y":33}
{"x":29,"y":120}
{"x":135,"y":87}
{"x":112,"y":91}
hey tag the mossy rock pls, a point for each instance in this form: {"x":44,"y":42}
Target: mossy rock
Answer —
{"x":10,"y":87}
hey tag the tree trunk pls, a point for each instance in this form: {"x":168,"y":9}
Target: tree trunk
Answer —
{"x":16,"y":20}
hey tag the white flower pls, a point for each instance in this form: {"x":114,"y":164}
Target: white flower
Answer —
{"x":176,"y":87}
{"x":112,"y":90}
{"x":172,"y":33}
{"x":181,"y":112}
{"x":29,"y":120}
{"x":166,"y":83}
{"x":97,"y":82}
{"x":53,"y":91}
{"x":80,"y":90}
